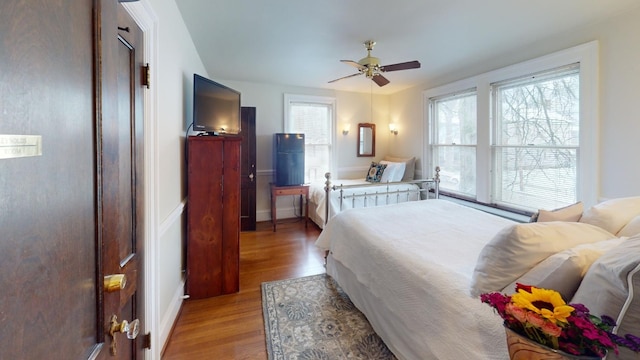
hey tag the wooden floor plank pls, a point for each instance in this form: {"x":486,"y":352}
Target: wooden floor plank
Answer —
{"x":231,"y":326}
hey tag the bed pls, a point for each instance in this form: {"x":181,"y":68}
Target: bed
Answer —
{"x":415,"y":270}
{"x":331,"y":197}
{"x":389,"y":181}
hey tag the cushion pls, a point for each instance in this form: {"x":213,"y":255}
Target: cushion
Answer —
{"x":567,"y":213}
{"x":564,"y":271}
{"x":612,"y":287}
{"x":612,"y":215}
{"x":393,"y":172}
{"x":516,"y":249}
{"x":410,"y":168}
{"x":632,"y":228}
{"x":375,"y":172}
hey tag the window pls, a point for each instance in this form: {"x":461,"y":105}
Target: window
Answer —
{"x":454,"y":138}
{"x":537,"y":128}
{"x":534,"y":144}
{"x":313,"y":116}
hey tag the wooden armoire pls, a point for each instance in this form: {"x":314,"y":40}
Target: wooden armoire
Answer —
{"x":213,"y":215}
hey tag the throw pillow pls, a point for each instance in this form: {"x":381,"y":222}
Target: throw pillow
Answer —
{"x":410,"y":168}
{"x":375,"y":172}
{"x":632,"y":228}
{"x":568,"y":213}
{"x":564,"y":271}
{"x":518,"y":248}
{"x":612,"y":215}
{"x":612,"y":287}
{"x":393,"y":172}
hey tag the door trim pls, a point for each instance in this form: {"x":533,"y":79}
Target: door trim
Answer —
{"x":143,"y":14}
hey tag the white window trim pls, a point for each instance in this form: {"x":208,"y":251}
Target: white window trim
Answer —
{"x":588,"y":158}
{"x":331,"y":101}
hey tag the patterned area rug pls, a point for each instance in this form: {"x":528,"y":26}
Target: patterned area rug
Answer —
{"x":312,"y":318}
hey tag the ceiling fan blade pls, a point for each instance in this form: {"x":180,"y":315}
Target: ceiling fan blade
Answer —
{"x":380,"y":80}
{"x":344,"y":77}
{"x":354,"y":64}
{"x":401,"y":66}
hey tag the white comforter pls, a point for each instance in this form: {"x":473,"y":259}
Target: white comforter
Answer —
{"x":317,"y":196}
{"x":408,"y":268}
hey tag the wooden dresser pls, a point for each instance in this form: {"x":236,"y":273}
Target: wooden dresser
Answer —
{"x":213,"y":215}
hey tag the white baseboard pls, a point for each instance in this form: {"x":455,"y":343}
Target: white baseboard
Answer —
{"x":170,"y":317}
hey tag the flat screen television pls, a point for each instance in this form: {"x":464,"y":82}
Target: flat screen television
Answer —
{"x":216,"y":108}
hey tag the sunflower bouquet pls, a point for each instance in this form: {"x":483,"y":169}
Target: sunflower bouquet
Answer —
{"x":543,"y":316}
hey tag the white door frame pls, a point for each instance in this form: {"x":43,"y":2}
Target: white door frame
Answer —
{"x":146,"y":18}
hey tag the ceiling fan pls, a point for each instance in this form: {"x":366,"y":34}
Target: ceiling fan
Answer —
{"x":371,"y":68}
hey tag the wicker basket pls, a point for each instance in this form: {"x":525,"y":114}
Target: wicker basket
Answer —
{"x":523,"y":348}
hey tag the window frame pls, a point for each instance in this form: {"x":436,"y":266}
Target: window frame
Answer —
{"x":434,"y":143}
{"x":313,"y":99}
{"x":587,"y":158}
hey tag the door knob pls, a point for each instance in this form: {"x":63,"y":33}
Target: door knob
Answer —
{"x":251,"y":177}
{"x":114,"y":282}
{"x":130,"y":328}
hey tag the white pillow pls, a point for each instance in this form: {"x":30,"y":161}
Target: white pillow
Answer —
{"x":632,"y":228}
{"x":567,"y":213}
{"x":612,"y":215}
{"x":612,"y":287}
{"x":410,"y":168}
{"x":518,"y":248}
{"x":564,"y":271}
{"x":393,"y":172}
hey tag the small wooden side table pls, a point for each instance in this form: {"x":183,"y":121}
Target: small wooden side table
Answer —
{"x":302,"y":190}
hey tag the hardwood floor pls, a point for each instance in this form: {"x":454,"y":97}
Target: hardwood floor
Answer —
{"x":232,"y":326}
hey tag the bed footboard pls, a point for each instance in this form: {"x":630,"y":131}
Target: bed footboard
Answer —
{"x":424,"y":189}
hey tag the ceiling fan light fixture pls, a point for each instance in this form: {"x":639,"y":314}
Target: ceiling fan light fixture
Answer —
{"x":371,"y":68}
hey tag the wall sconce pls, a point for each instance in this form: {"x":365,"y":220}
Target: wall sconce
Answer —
{"x":393,"y":129}
{"x":345,"y":129}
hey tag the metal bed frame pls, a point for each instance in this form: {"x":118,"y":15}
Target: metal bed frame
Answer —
{"x":426,"y":187}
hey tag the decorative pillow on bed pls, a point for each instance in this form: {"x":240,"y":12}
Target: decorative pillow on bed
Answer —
{"x":410,"y":168}
{"x":375,"y":172}
{"x":564,"y":271}
{"x":632,"y":228}
{"x":612,"y":215}
{"x":612,"y":287}
{"x":516,"y":249}
{"x":393,"y":172}
{"x":568,"y":213}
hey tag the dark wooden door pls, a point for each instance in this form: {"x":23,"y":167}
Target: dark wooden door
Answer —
{"x":122,"y":182}
{"x":248,"y":173}
{"x":58,"y":107}
{"x":47,"y":200}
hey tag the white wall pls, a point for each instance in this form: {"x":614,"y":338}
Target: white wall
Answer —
{"x":619,"y":80}
{"x":177,"y":60}
{"x":268,"y":99}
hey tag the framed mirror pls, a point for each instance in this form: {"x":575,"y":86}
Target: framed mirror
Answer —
{"x":366,"y":139}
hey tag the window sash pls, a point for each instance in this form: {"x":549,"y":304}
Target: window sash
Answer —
{"x":536,"y":141}
{"x":585,"y":145}
{"x":454,"y":141}
{"x":313,"y":116}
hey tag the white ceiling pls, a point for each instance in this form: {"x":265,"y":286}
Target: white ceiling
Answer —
{"x":301,"y":42}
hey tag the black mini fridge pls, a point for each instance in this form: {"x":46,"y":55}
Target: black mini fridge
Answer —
{"x":289,"y":159}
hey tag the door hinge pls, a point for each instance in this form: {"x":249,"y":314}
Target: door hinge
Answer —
{"x":146,"y":341}
{"x":146,"y":75}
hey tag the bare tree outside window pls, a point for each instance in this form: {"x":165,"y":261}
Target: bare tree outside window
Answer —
{"x":537,"y":129}
{"x":454,"y":141}
{"x":314,"y":120}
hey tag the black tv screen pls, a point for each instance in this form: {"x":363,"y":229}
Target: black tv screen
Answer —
{"x":216,"y":108}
